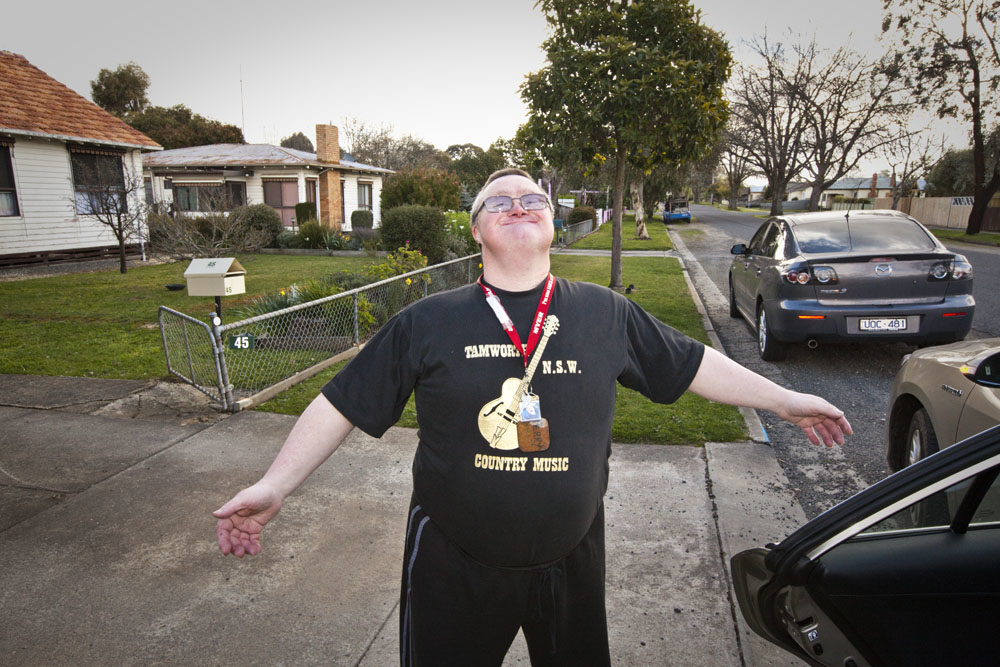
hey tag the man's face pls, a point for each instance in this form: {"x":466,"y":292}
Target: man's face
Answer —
{"x":516,"y":229}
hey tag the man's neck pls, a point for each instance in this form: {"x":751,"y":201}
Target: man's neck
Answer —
{"x":515,"y":275}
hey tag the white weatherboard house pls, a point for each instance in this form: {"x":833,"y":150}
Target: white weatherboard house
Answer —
{"x":54,"y":145}
{"x":194,"y":179}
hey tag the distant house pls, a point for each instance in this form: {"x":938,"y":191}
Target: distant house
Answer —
{"x":54,"y":147}
{"x":798,"y":192}
{"x":195,"y":179}
{"x":858,"y":188}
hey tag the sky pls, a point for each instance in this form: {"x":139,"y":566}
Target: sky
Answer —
{"x":444,"y":71}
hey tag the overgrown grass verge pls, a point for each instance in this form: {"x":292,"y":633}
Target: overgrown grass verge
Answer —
{"x":660,"y":288}
{"x":601,"y":239}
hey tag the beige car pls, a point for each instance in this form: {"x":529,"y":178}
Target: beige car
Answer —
{"x":942,"y":395}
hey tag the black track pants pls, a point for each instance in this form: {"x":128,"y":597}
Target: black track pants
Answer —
{"x":457,"y":611}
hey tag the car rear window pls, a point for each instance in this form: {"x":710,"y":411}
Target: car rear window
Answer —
{"x":861,"y":235}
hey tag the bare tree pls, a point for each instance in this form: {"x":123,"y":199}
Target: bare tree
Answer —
{"x":769,"y":103}
{"x":109,"y":191}
{"x":850,"y":104}
{"x":377,"y":146}
{"x":910,"y":155}
{"x":736,"y":162}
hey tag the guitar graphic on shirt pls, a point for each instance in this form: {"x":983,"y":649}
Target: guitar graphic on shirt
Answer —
{"x":498,"y":418}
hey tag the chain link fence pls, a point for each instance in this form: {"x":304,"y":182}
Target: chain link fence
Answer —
{"x":251,"y":360}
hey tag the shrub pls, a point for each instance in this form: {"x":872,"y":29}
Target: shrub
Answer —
{"x":418,"y":227}
{"x":424,"y":186}
{"x":361,"y":219}
{"x":261,"y":217}
{"x":364,"y":238}
{"x":217,"y":235}
{"x":459,"y":228}
{"x":312,"y":235}
{"x":581,"y":213}
{"x":288,"y":239}
{"x":305,"y":210}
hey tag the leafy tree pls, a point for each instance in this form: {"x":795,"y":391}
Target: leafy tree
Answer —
{"x":637,"y":82}
{"x":952,"y":175}
{"x":473,"y":166}
{"x":946,"y":53}
{"x":421,"y":186}
{"x":178,"y":127}
{"x":299,"y":142}
{"x":122,"y":90}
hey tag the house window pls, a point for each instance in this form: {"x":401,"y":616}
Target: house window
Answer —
{"x":8,"y":193}
{"x":282,"y":194}
{"x":209,"y":197}
{"x":311,"y":190}
{"x":365,"y":196}
{"x":147,"y":186}
{"x":98,"y":182}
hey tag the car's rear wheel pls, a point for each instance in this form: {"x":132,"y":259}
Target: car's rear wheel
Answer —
{"x":733,"y":310}
{"x":770,"y":348}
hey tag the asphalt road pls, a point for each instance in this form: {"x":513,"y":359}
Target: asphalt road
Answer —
{"x":855,"y":377}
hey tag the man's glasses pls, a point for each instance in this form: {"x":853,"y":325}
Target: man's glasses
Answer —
{"x":502,"y":203}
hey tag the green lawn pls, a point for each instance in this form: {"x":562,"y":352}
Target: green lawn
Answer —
{"x":661,"y":289}
{"x":601,"y":239}
{"x":982,"y":238}
{"x":104,"y":324}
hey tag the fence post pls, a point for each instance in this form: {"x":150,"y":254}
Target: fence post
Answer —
{"x":225,"y":389}
{"x":357,"y":334}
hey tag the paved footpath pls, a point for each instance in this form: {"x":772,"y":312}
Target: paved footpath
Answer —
{"x":107,"y":552}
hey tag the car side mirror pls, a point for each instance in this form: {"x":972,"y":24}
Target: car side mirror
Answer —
{"x":987,"y":373}
{"x":738,"y":249}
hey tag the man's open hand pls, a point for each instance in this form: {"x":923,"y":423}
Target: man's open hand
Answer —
{"x":243,"y":518}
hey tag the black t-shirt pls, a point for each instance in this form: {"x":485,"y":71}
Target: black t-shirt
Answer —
{"x":508,"y":507}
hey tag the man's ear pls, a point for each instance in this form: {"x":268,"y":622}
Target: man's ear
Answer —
{"x":475,"y":234}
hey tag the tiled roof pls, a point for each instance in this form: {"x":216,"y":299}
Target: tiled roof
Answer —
{"x":33,"y":103}
{"x":246,"y":155}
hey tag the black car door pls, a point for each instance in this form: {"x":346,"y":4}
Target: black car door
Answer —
{"x":746,"y":269}
{"x":904,"y":573}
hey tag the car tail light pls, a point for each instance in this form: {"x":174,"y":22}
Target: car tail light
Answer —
{"x":956,"y":269}
{"x":823,"y":275}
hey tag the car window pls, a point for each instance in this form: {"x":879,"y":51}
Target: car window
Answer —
{"x":938,"y":509}
{"x":771,"y":240}
{"x":862,"y":235}
{"x":757,"y":241}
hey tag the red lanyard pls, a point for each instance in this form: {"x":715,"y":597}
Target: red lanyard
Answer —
{"x":536,"y":327}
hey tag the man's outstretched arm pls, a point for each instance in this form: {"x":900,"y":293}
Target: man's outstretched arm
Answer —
{"x":315,"y":436}
{"x":722,"y":380}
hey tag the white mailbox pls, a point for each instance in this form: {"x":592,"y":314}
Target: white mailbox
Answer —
{"x":215,"y":276}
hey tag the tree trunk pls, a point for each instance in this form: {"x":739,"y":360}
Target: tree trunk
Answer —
{"x":122,"y":265}
{"x":777,"y":195}
{"x":980,"y":204}
{"x":817,"y":190}
{"x":616,"y":219}
{"x":640,"y":210}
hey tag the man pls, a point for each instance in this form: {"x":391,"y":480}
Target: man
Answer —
{"x":506,"y":527}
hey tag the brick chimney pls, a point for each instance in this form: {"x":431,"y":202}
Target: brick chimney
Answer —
{"x":328,"y":151}
{"x":873,"y":193}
